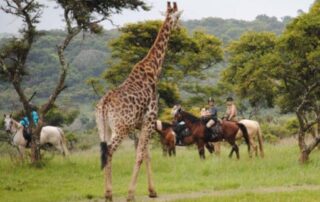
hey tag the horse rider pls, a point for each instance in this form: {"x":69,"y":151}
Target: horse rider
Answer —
{"x":181,"y":131}
{"x":211,"y":118}
{"x":26,"y":134}
{"x":231,"y":112}
{"x":35,"y":117}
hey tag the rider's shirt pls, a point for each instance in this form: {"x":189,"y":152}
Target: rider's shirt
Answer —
{"x":213,"y":113}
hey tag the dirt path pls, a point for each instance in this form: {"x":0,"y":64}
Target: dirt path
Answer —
{"x":229,"y":192}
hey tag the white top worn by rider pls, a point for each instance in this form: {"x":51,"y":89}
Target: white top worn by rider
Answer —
{"x":231,"y":113}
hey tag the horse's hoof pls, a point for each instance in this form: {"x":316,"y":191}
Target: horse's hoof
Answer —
{"x":153,"y":194}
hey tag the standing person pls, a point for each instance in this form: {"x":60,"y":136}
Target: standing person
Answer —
{"x":35,"y":117}
{"x":231,"y":113}
{"x":212,"y":117}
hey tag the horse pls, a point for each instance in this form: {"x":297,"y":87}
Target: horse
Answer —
{"x":167,"y":137}
{"x":49,"y":135}
{"x":254,"y":131}
{"x":200,"y":133}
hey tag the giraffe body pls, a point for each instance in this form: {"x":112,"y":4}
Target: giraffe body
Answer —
{"x":134,"y":105}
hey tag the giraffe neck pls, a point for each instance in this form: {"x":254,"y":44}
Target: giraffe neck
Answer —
{"x":156,"y":54}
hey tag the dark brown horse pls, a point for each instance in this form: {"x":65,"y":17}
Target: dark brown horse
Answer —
{"x":168,"y":139}
{"x":201,"y":134}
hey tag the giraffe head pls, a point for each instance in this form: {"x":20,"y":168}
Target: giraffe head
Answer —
{"x":173,"y":14}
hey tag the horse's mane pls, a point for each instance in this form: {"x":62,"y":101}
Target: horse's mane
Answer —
{"x":16,"y":123}
{"x":166,"y":125}
{"x":190,"y":117}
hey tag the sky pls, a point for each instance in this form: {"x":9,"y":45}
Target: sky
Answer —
{"x":193,"y":9}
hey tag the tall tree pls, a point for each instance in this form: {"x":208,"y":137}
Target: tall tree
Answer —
{"x":78,"y":16}
{"x":299,"y":73}
{"x":284,"y":71}
{"x":247,"y":71}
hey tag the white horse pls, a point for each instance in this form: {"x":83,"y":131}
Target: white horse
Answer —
{"x":49,"y":134}
{"x":254,"y":132}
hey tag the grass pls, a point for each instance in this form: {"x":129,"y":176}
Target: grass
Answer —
{"x":79,"y":177}
{"x":310,"y":196}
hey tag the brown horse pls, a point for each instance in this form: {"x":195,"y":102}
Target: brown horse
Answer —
{"x":201,"y":134}
{"x":168,"y":139}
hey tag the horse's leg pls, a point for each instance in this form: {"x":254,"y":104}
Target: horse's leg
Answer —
{"x":21,"y":150}
{"x":231,"y":152}
{"x":217,"y":148}
{"x":200,"y":145}
{"x":169,"y":150}
{"x":236,"y":148}
{"x":209,"y":147}
{"x":254,"y":146}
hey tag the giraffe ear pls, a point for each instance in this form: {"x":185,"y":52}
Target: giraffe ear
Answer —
{"x":177,"y":14}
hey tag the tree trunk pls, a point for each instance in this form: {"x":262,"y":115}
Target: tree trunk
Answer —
{"x":304,"y":156}
{"x":35,"y":144}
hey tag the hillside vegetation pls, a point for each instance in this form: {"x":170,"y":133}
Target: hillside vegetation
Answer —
{"x":89,"y":56}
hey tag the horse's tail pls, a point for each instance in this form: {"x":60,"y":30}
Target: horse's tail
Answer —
{"x":260,"y":141}
{"x":63,"y":142}
{"x":245,"y":134}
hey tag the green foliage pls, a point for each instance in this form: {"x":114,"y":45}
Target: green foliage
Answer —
{"x":186,"y":58}
{"x":298,"y":67}
{"x":231,"y":29}
{"x":248,"y":69}
{"x":85,"y":12}
{"x":59,"y":117}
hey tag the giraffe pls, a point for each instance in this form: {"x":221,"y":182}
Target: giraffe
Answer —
{"x":134,"y":105}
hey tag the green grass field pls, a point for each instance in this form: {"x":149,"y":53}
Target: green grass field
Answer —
{"x":79,"y":177}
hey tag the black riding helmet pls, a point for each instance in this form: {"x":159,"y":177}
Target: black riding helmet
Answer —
{"x":229,"y":99}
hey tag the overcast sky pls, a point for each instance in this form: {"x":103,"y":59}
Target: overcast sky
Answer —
{"x":193,"y":9}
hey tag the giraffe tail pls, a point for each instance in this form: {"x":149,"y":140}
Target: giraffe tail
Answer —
{"x":104,"y":154}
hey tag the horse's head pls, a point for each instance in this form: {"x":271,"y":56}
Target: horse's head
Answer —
{"x":8,"y":123}
{"x":177,"y":115}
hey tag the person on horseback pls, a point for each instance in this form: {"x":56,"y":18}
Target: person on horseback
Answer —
{"x":26,"y":134}
{"x":181,"y":131}
{"x":231,"y":113}
{"x":35,"y":117}
{"x":211,"y":118}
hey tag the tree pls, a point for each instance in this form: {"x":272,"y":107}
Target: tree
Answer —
{"x":78,"y":16}
{"x":283,"y":71}
{"x":299,"y":74}
{"x":248,"y":70}
{"x":186,"y":58}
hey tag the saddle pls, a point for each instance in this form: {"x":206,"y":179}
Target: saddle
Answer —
{"x":181,"y":132}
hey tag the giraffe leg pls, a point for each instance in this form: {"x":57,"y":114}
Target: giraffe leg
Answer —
{"x":140,"y":155}
{"x":147,"y":158}
{"x":115,"y":142}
